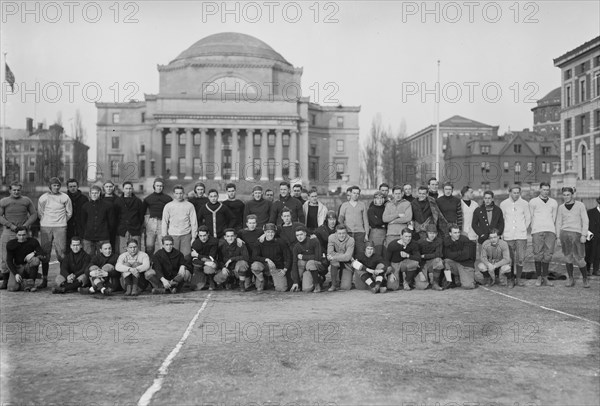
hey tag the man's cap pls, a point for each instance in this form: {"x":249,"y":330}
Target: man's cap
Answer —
{"x":378,"y":194}
{"x":257,"y":187}
{"x":270,"y":227}
{"x":369,"y":244}
{"x":332,"y":215}
{"x":54,"y":181}
{"x":431,"y":228}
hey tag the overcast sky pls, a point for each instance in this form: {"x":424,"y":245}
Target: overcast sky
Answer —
{"x":496,"y":57}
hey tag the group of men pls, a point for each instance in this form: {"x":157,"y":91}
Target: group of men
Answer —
{"x":290,"y":244}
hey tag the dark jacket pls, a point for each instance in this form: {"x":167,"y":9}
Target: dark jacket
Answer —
{"x":130,"y":215}
{"x":370,"y":262}
{"x":480,"y":223}
{"x":75,"y":224}
{"x":206,"y":249}
{"x":167,"y":264}
{"x":198,"y":202}
{"x":288,"y":233}
{"x":75,"y":263}
{"x":217,"y":217}
{"x":451,"y":209}
{"x":323,"y":233}
{"x":251,"y":239}
{"x":237,"y":209}
{"x":420,"y":218}
{"x":430,"y":249}
{"x":375,"y":216}
{"x":17,"y":251}
{"x":261,"y":208}
{"x":277,"y":251}
{"x":231,"y":252}
{"x":291,"y":203}
{"x":461,"y":250}
{"x":154,"y":203}
{"x":310,"y":249}
{"x":594,"y":225}
{"x":393,"y":250}
{"x":98,"y":220}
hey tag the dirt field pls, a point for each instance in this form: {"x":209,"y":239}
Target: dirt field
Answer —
{"x":410,"y":348}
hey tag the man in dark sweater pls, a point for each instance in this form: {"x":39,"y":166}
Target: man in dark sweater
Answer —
{"x":203,"y":259}
{"x":486,"y":217}
{"x":450,"y":208}
{"x":197,"y":197}
{"x":169,"y":271}
{"x":370,"y":269}
{"x":407,"y":192}
{"x":78,"y":199}
{"x":287,"y":229}
{"x":286,"y":201}
{"x":236,"y":206}
{"x":102,"y":274}
{"x":233,"y":260}
{"x":154,"y":204}
{"x":592,"y":246}
{"x":377,"y":227}
{"x":403,"y":255}
{"x":98,"y":219}
{"x":23,"y":258}
{"x":307,"y":265}
{"x":459,"y":254}
{"x":110,"y":196}
{"x":251,"y":234}
{"x":130,"y":216}
{"x":258,"y":206}
{"x":432,"y":264}
{"x":433,"y":188}
{"x":425,"y":212}
{"x":325,"y":230}
{"x":215,"y":215}
{"x":297,"y":193}
{"x":273,"y":258}
{"x":72,"y":269}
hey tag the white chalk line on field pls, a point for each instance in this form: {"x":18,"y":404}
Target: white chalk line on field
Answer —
{"x":542,"y":307}
{"x":163,"y":370}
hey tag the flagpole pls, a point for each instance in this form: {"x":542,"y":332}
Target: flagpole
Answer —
{"x":4,"y":133}
{"x":437,"y":126}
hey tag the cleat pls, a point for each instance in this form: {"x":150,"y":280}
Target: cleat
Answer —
{"x":406,"y":286}
{"x":539,"y":281}
{"x":570,"y":282}
{"x":58,"y":290}
{"x":43,"y":285}
{"x":107,"y":291}
{"x":317,"y":288}
{"x":383,"y":289}
{"x":332,"y":288}
{"x":84,"y":291}
{"x":586,"y":283}
{"x":158,"y":291}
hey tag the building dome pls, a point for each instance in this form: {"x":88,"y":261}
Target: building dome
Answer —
{"x":552,"y":97}
{"x":230,"y":44}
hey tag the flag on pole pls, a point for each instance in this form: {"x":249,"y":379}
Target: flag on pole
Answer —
{"x":9,"y":77}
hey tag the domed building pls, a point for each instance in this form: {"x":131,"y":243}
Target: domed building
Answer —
{"x":229,"y":108}
{"x":546,"y":114}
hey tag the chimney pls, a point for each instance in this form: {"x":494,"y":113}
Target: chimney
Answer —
{"x":40,"y":126}
{"x":29,"y":125}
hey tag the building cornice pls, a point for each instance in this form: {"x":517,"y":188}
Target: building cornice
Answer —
{"x":230,"y":65}
{"x":159,"y":117}
{"x":577,"y":52}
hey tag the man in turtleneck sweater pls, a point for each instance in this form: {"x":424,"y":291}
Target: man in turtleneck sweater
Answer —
{"x":286,"y":201}
{"x":215,"y":215}
{"x":180,"y":222}
{"x":258,"y":206}
{"x":154,"y":203}
{"x":377,"y":227}
{"x":517,"y":218}
{"x":433,"y":188}
{"x":130,"y":216}
{"x":450,"y":207}
{"x":78,"y":199}
{"x":169,"y":271}
{"x":97,"y":219}
{"x":543,"y":238}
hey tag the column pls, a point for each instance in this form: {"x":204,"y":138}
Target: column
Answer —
{"x":235,"y":155}
{"x":203,"y":153}
{"x":218,"y":153}
{"x":302,"y":171}
{"x":264,"y":155}
{"x":278,"y":154}
{"x":249,"y":169}
{"x":189,"y":160}
{"x":174,"y":153}
{"x":293,"y":152}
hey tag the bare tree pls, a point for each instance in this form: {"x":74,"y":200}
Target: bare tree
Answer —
{"x":371,"y":153}
{"x":50,"y":161}
{"x":79,"y":133}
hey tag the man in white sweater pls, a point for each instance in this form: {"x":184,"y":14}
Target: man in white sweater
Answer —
{"x":572,"y":227}
{"x":54,"y":210}
{"x":543,"y":217}
{"x":180,"y":222}
{"x":517,"y":218}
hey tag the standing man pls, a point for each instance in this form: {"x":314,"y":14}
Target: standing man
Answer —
{"x":433,"y":188}
{"x":215,"y":215}
{"x":197,"y":197}
{"x":130,"y":216}
{"x":353,"y":215}
{"x":97,"y":217}
{"x":54,"y":210}
{"x":468,"y":207}
{"x":78,"y":199}
{"x":236,"y":206}
{"x":543,"y":211}
{"x":270,"y":195}
{"x":486,"y":217}
{"x":425,"y":212}
{"x":385,"y":189}
{"x":592,"y":246}
{"x":298,"y":193}
{"x":259,"y":207}
{"x":154,"y":204}
{"x":15,"y":211}
{"x":286,"y":201}
{"x":377,"y":227}
{"x":397,"y":214}
{"x":340,"y":250}
{"x":179,"y":220}
{"x":23,"y":255}
{"x":407,"y":192}
{"x":110,"y":196}
{"x":572,"y":227}
{"x":517,"y":219}
{"x":450,"y":207}
{"x":314,"y":211}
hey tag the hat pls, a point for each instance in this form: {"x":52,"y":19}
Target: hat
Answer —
{"x":369,"y":244}
{"x":431,"y":228}
{"x":332,"y":215}
{"x":54,"y":181}
{"x":270,"y":227}
{"x":378,"y":194}
{"x":257,"y":187}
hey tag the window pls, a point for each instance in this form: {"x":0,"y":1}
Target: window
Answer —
{"x":181,"y":166}
{"x":197,"y":166}
{"x":568,"y":147}
{"x":505,"y":166}
{"x":142,"y":168}
{"x":568,"y":128}
{"x":286,"y":140}
{"x":485,"y":167}
{"x":142,"y":148}
{"x":517,"y":148}
{"x":197,"y":138}
{"x":114,"y":169}
{"x":596,"y":119}
{"x":485,"y":150}
{"x":31,"y":161}
{"x":257,"y":164}
{"x":271,"y":140}
{"x":545,"y":167}
{"x":582,"y":90}
{"x":546,"y":150}
{"x":339,"y":170}
{"x":339,"y":146}
{"x":67,"y":148}
{"x":340,"y":122}
{"x":257,"y":140}
{"x":167,"y":167}
{"x":152,"y":168}
{"x":30,"y":176}
{"x":271,"y":168}
{"x":597,"y":61}
{"x":285,"y":169}
{"x":313,"y":146}
{"x":529,"y":166}
{"x":517,"y":167}
{"x":313,"y":169}
{"x":115,"y":142}
{"x":313,"y":119}
{"x":582,"y":124}
{"x":116,"y":118}
{"x":143,"y":118}
{"x":597,"y":84}
{"x":568,"y":96}
{"x":181,"y":138}
{"x":32,"y":147}
{"x":568,"y":74}
{"x":168,"y":138}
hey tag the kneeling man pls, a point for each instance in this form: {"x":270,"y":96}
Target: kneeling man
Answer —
{"x":273,"y":258}
{"x":371,"y":268}
{"x":132,"y":264}
{"x":495,"y":258}
{"x":72,"y":269}
{"x":404,"y":256}
{"x":307,"y":266}
{"x":169,"y":271}
{"x":23,"y":256}
{"x":102,"y":273}
{"x":459,"y":252}
{"x":233,"y":261}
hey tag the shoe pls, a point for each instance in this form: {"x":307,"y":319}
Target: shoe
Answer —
{"x":58,"y":289}
{"x":4,"y":285}
{"x":43,"y":285}
{"x":406,"y":286}
{"x":242,"y":287}
{"x":135,"y":290}
{"x":33,"y":289}
{"x":317,"y":288}
{"x":382,"y":289}
{"x":435,"y":286}
{"x":487,"y":282}
{"x":332,"y":288}
{"x":519,"y":282}
{"x":586,"y":283}
{"x":511,"y":283}
{"x":173,"y":290}
{"x":84,"y":291}
{"x":448,"y":285}
{"x":570,"y":282}
{"x":228,"y":286}
{"x":546,"y":282}
{"x":539,"y":281}
{"x":596,"y":273}
{"x":128,"y":289}
{"x":158,"y":291}
{"x":107,"y":292}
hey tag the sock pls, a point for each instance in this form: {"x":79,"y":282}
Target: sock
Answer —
{"x":538,"y":268}
{"x":519,"y":271}
{"x":101,"y":290}
{"x":584,"y":273}
{"x":448,"y":275}
{"x":570,"y":270}
{"x":545,"y":266}
{"x":45,"y":268}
